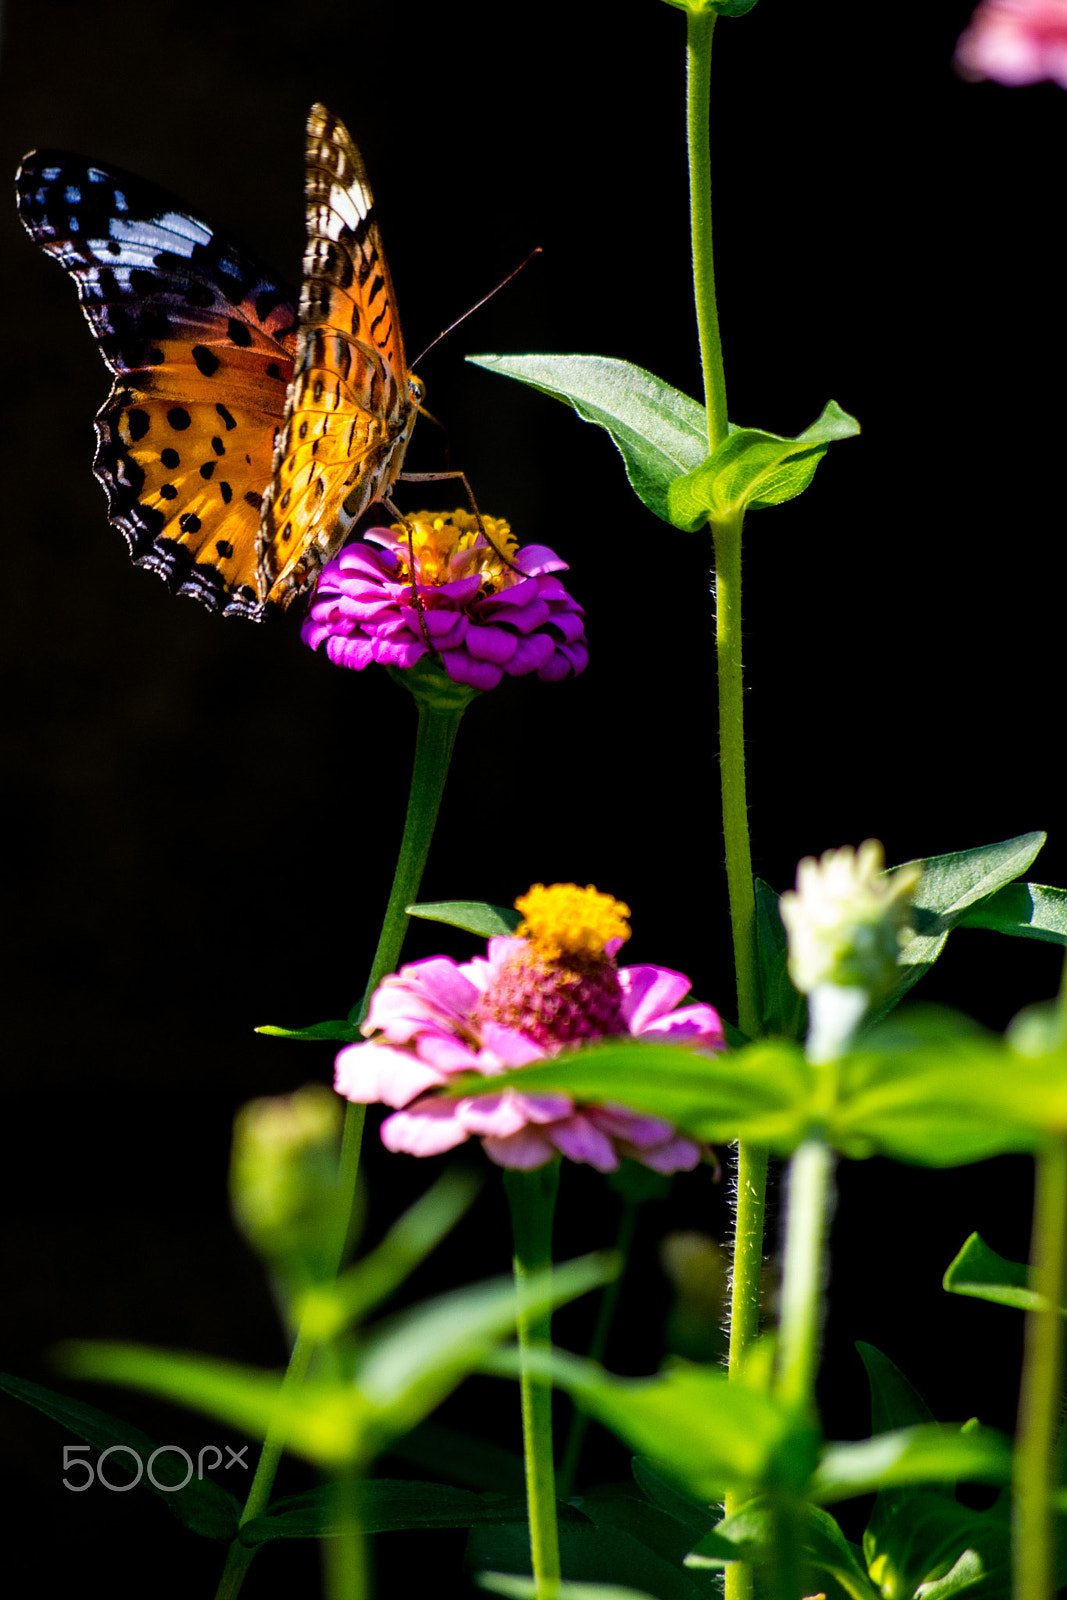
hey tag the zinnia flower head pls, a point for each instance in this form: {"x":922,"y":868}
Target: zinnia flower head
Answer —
{"x":480,"y":615}
{"x":555,"y":985}
{"x":1015,"y":42}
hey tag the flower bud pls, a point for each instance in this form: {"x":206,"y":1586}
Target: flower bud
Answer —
{"x":284,"y":1178}
{"x":847,"y":919}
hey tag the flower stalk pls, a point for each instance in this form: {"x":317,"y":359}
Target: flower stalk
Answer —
{"x":441,"y":704}
{"x":532,"y":1199}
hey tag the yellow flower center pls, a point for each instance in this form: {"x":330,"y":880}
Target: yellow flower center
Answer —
{"x":565,"y":922}
{"x":448,"y":545}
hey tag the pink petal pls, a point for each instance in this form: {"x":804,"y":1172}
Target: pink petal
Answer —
{"x":526,"y":1150}
{"x":648,"y":992}
{"x":578,"y":1140}
{"x":424,"y":1132}
{"x":369,"y":1073}
{"x":674,"y":1155}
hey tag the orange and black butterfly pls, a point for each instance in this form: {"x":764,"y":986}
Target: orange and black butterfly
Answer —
{"x":243,"y":434}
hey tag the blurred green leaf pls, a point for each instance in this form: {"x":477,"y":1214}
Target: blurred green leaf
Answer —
{"x":928,"y":1453}
{"x":406,"y":1366}
{"x":752,"y":469}
{"x":202,"y":1506}
{"x":341,"y":1032}
{"x":951,"y":885}
{"x":979,"y":1272}
{"x":473,"y":916}
{"x":385,"y":1505}
{"x":595,"y":1561}
{"x":460,"y":1457}
{"x":782,"y":1008}
{"x":761,"y":1092}
{"x":1025,"y":910}
{"x":659,"y":432}
{"x":694,"y":1517}
{"x":895,"y":1403}
{"x":749,"y":1532}
{"x":517,"y":1588}
{"x":330,"y":1307}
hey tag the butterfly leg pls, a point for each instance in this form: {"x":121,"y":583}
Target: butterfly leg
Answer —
{"x":439,"y":477}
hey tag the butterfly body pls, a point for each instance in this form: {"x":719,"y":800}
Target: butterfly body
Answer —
{"x":238,"y":423}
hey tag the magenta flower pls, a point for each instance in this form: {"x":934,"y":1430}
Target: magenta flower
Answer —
{"x":1016,"y":42}
{"x":480,"y":615}
{"x":553,"y":986}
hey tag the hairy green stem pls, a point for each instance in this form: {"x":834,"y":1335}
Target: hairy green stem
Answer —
{"x":700,"y":28}
{"x":441,"y":704}
{"x":1033,"y":1523}
{"x":532,"y":1199}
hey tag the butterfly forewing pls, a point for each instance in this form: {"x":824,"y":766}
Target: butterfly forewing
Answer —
{"x":200,"y":338}
{"x":352,"y":402}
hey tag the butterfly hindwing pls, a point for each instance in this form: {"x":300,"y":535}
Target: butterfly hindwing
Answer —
{"x":353,"y":403}
{"x":201,"y":340}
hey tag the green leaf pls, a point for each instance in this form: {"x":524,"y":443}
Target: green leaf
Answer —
{"x":761,"y":1092}
{"x":932,"y":1089}
{"x":752,"y":469}
{"x":707,"y":1435}
{"x":517,"y":1588}
{"x":930,"y":1453}
{"x":595,"y":1560}
{"x":895,"y":1401}
{"x":783,"y":1010}
{"x":201,"y":1506}
{"x":331,"y":1307}
{"x":659,"y":432}
{"x":406,"y":1366}
{"x":473,"y":916}
{"x":461,"y":1458}
{"x":386,"y":1505}
{"x":621,"y":1505}
{"x":749,"y":1532}
{"x":979,"y":1272}
{"x":949,"y":1549}
{"x":692,"y":1515}
{"x":950,"y":886}
{"x":1025,"y":910}
{"x":340,"y":1032}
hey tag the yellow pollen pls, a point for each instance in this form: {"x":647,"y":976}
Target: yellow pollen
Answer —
{"x":564,"y":920}
{"x":448,"y":545}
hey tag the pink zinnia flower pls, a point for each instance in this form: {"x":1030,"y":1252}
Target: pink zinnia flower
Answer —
{"x":480,"y":615}
{"x":1016,"y":42}
{"x":551,"y":987}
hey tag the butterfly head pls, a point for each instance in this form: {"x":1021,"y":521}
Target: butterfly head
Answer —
{"x":416,"y":391}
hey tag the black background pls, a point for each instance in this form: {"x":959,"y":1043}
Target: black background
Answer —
{"x":201,"y":815}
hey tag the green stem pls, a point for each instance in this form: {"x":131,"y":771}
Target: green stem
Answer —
{"x":701,"y":26}
{"x":532,"y":1198}
{"x":441,"y":704}
{"x":609,"y":1299}
{"x":808,"y":1204}
{"x":345,"y":1553}
{"x":1033,"y":1527}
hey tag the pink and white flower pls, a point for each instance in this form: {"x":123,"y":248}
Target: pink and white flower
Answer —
{"x":502,"y":1011}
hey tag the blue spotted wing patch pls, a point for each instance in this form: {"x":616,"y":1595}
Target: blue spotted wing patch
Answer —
{"x":200,"y":339}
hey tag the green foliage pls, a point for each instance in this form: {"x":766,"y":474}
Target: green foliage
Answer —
{"x":517,"y":1588}
{"x":385,"y":1505}
{"x":338,"y":1032}
{"x":1026,"y":910}
{"x":951,"y":886}
{"x":783,"y":1010}
{"x":662,"y":436}
{"x":472,"y":915}
{"x":722,"y":8}
{"x":403,"y":1369}
{"x":201,"y":1506}
{"x":748,"y":1533}
{"x":596,"y":1550}
{"x":751,"y":470}
{"x":979,"y":1272}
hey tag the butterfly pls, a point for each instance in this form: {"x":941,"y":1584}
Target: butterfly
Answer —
{"x":244,"y":434}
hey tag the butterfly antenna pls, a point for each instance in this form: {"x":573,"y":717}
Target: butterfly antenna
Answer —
{"x":536,"y":251}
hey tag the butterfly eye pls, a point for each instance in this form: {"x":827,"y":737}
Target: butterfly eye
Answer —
{"x":416,"y":389}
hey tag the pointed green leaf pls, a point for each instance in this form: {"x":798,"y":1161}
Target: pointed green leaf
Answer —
{"x":473,"y":916}
{"x":783,"y":1009}
{"x":929,"y":1453}
{"x":330,"y":1307}
{"x":895,"y":1401}
{"x":385,"y":1505}
{"x":950,"y":885}
{"x":1026,"y":910}
{"x":340,"y":1032}
{"x":201,"y":1506}
{"x":752,"y":469}
{"x":761,"y":1092}
{"x":749,"y":1531}
{"x":659,"y":432}
{"x":979,"y":1272}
